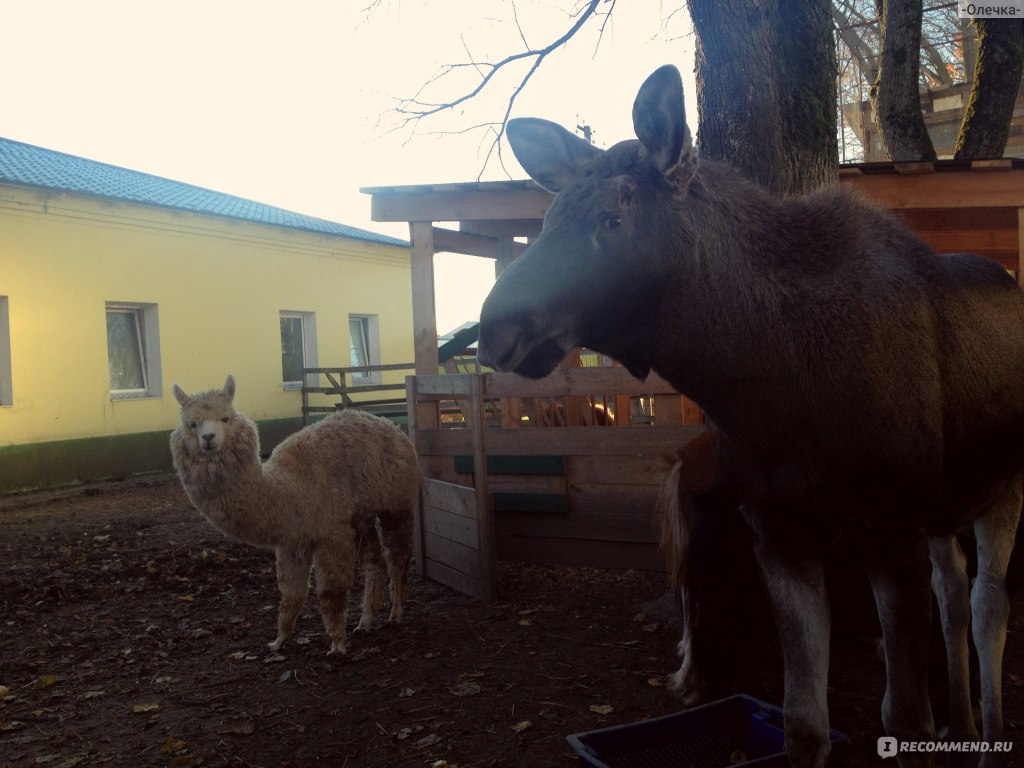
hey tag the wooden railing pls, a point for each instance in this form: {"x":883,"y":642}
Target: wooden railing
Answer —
{"x":340,"y":384}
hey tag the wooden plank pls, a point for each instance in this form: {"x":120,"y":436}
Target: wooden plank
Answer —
{"x":636,"y":528}
{"x":461,"y":203}
{"x":950,"y":189}
{"x":445,"y":386}
{"x":607,"y":441}
{"x":450,"y":525}
{"x":641,"y":470}
{"x":484,"y":509}
{"x":457,"y":499}
{"x":456,"y":556}
{"x":612,"y":380}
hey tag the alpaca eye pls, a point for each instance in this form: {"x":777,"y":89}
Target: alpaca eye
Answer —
{"x":226,"y":419}
{"x":192,"y":425}
{"x":611,"y":223}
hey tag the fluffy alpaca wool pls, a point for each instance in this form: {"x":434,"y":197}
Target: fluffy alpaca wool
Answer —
{"x":347,"y":484}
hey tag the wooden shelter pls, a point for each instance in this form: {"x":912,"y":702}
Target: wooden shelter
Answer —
{"x":501,"y":481}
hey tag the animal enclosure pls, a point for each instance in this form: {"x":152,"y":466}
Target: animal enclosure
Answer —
{"x":574,"y":506}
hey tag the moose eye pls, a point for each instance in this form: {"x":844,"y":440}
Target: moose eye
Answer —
{"x":611,"y":223}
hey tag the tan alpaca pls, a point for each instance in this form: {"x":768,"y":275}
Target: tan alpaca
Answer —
{"x":345,"y":483}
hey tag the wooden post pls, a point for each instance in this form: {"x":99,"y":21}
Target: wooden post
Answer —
{"x":424,"y":318}
{"x":1020,"y":246}
{"x":417,"y":534}
{"x":488,"y":551}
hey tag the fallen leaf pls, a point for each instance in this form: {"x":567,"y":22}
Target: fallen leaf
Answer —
{"x":4,"y":690}
{"x":197,"y":633}
{"x":11,"y":725}
{"x":521,"y":726}
{"x":172,"y":746}
{"x":427,"y":741}
{"x":45,"y":759}
{"x":45,"y":681}
{"x":91,"y":695}
{"x":653,"y":627}
{"x":406,"y":693}
{"x":656,"y":682}
{"x":285,"y":676}
{"x":273,"y":658}
{"x":464,"y":689}
{"x":602,"y":709}
{"x":240,"y":727}
{"x":403,"y":733}
{"x":143,"y":708}
{"x":640,"y":617}
{"x":525,"y":622}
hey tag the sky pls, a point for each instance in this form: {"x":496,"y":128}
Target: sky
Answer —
{"x":291,"y":104}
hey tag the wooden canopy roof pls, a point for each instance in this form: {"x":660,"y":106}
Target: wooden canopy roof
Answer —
{"x":953,"y":205}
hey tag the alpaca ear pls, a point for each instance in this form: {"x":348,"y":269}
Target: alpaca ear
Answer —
{"x":229,"y":386}
{"x":180,"y":394}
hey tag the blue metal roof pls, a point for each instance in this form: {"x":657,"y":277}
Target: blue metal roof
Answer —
{"x":47,"y":169}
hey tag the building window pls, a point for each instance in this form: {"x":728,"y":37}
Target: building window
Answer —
{"x":298,"y":347}
{"x":364,"y":346}
{"x":133,"y":350}
{"x":6,"y":389}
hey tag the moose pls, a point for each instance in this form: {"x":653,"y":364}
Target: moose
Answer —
{"x":867,"y":393}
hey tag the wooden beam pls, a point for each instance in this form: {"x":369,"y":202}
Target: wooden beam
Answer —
{"x":946,"y":189}
{"x":471,"y":203}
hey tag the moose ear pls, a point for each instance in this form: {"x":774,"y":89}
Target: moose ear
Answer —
{"x":229,"y":386}
{"x":548,"y":152}
{"x":659,"y":119}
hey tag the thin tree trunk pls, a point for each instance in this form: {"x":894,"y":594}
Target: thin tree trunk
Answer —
{"x":986,"y":125}
{"x":766,"y":95}
{"x":895,"y":97}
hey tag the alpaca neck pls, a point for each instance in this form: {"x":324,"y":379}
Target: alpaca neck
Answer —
{"x":233,"y":492}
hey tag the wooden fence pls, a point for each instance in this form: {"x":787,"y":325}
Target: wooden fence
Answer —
{"x":500,"y":484}
{"x":354,"y":394}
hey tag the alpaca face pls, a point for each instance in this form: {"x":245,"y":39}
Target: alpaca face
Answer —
{"x":207,"y":416}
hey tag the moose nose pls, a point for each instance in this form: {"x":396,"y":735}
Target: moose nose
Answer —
{"x":499,"y":341}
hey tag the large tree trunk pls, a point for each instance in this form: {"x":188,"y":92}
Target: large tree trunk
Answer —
{"x":986,"y":125}
{"x":766,"y":94}
{"x":895,"y":97}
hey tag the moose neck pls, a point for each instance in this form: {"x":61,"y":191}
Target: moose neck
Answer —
{"x":722,"y":314}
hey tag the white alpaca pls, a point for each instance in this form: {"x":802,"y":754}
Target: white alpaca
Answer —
{"x":345,"y":483}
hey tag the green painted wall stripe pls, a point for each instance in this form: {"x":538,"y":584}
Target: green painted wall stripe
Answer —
{"x":93,"y":459}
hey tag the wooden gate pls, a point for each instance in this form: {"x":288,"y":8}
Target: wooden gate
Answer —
{"x":499,"y":480}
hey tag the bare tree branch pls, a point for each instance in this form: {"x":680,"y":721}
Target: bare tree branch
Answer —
{"x":416,"y":108}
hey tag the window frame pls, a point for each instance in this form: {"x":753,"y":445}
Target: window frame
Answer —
{"x":370,"y":333}
{"x":309,"y":348}
{"x":147,"y":336}
{"x":6,"y":382}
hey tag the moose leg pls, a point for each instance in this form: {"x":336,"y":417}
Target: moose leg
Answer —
{"x":990,"y":606}
{"x":334,"y":562}
{"x":952,"y":590}
{"x":371,"y":560}
{"x":903,"y":597}
{"x":799,"y":602}
{"x":293,"y":582}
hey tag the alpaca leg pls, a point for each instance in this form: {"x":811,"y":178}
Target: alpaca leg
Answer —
{"x":799,"y":603}
{"x":952,"y":589}
{"x":371,"y":560}
{"x":903,"y":597}
{"x":334,"y":563}
{"x":293,"y":582}
{"x":990,"y":608}
{"x":396,"y":540}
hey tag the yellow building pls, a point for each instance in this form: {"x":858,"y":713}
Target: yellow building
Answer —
{"x":114,"y":284}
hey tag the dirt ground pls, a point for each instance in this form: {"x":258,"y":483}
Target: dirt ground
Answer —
{"x":132,"y":633}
